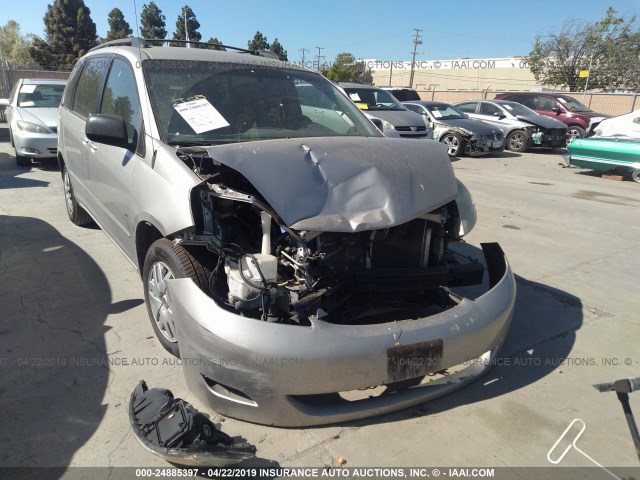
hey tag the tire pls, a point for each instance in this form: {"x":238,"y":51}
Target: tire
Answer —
{"x":77,"y":214}
{"x":455,"y":144}
{"x":635,"y":175}
{"x":573,"y":132}
{"x":518,"y":141}
{"x":166,"y":260}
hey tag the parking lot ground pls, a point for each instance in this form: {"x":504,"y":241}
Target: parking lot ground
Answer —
{"x":75,"y":337}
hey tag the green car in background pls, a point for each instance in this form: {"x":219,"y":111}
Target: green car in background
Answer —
{"x":606,"y":153}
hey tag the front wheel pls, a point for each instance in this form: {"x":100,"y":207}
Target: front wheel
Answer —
{"x":635,"y":176}
{"x":164,"y":261}
{"x":22,"y":161}
{"x":518,"y":141}
{"x":454,"y":143}
{"x":574,"y":132}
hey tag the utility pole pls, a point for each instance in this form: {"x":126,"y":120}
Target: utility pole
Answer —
{"x":302,"y":51}
{"x":319,"y":56}
{"x":186,"y":30}
{"x":417,"y":40}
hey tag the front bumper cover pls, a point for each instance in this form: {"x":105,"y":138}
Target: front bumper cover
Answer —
{"x":284,"y":375}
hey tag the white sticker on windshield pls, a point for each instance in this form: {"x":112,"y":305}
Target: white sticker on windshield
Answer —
{"x":355,"y":97}
{"x":562,"y":100}
{"x":201,"y":115}
{"x":437,"y":114}
{"x":508,"y":107}
{"x":28,"y":88}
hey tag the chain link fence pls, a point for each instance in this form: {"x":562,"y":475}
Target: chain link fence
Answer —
{"x":607,"y":103}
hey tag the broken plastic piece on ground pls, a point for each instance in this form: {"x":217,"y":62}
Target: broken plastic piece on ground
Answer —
{"x":174,"y":430}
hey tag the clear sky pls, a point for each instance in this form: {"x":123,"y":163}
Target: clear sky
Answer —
{"x":367,"y":28}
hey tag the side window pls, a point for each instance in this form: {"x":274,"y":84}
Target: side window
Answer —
{"x":469,"y":107}
{"x":67,"y":98}
{"x":545,"y":103}
{"x":120,"y":98}
{"x":488,"y":109}
{"x":85,"y":101}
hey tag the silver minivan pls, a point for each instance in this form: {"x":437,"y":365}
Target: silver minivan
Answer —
{"x":397,"y":120}
{"x":288,"y":250}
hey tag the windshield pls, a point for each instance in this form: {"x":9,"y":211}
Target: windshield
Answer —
{"x":573,"y":105}
{"x":446,"y":112}
{"x":371,"y":99}
{"x":517,"y":109}
{"x":209,"y":103}
{"x":40,"y":96}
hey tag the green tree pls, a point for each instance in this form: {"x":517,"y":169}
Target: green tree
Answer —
{"x":610,"y":46}
{"x":69,"y":33}
{"x":215,"y":41}
{"x":118,"y":26}
{"x":345,"y":68}
{"x":192,"y":27}
{"x":278,"y":49}
{"x":14,"y":47}
{"x":259,"y":42}
{"x":152,"y":22}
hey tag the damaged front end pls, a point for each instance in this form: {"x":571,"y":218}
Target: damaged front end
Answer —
{"x":329,"y":273}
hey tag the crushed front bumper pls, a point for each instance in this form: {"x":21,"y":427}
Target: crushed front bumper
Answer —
{"x":285,"y":375}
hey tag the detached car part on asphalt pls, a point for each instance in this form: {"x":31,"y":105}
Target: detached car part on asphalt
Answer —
{"x":32,"y":115}
{"x":303,"y":265}
{"x":174,"y":430}
{"x":454,"y":128}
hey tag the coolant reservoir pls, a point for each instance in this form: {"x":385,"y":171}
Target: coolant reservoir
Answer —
{"x":238,"y":288}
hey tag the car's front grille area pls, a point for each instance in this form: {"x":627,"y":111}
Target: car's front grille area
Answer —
{"x":420,"y":128}
{"x":497,"y":136}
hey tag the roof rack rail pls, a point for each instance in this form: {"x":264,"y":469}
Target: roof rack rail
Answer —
{"x":139,"y":42}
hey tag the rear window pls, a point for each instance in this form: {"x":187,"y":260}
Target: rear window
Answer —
{"x":405,"y":94}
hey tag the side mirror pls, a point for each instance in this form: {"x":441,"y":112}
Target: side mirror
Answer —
{"x":107,"y":129}
{"x":4,"y":102}
{"x":464,"y":115}
{"x":556,"y":109}
{"x":378,"y":123}
{"x":500,"y":115}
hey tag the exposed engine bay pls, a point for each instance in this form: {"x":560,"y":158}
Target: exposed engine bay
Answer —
{"x":261,"y":268}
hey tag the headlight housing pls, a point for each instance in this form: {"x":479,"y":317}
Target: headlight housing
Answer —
{"x":387,"y":126}
{"x":32,"y":127}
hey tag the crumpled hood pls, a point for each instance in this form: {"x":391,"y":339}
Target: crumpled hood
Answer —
{"x":43,"y":116}
{"x":344,"y":184}
{"x":475,"y":126}
{"x":400,"y":118}
{"x":542,"y":121}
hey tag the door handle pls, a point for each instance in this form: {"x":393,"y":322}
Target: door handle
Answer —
{"x":86,"y":141}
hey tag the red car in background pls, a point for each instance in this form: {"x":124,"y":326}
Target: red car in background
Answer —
{"x":559,"y":106}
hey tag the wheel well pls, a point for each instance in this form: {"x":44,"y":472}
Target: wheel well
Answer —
{"x":146,"y":234}
{"x":61,"y":164}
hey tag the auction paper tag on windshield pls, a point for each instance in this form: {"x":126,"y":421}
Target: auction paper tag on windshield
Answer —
{"x":437,"y":114}
{"x":28,"y":88}
{"x":355,"y":97}
{"x":201,"y":115}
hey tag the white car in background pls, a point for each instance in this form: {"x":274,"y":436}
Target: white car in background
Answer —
{"x":32,"y":115}
{"x":627,"y":125}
